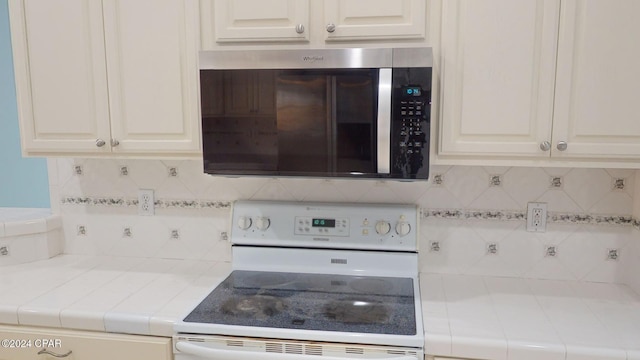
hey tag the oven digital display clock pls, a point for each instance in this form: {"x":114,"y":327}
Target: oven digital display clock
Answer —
{"x":324,"y":223}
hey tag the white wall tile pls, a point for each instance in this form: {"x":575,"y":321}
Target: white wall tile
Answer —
{"x":462,"y":243}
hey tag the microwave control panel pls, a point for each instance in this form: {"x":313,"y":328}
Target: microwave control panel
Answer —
{"x":411,"y":123}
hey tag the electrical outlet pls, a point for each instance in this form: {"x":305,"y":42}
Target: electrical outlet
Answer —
{"x":145,"y":202}
{"x":537,"y":217}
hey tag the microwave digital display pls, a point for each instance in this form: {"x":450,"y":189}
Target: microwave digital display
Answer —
{"x":411,"y":91}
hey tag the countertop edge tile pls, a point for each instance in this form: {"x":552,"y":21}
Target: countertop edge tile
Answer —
{"x":36,"y":316}
{"x":479,"y":348}
{"x":533,"y":350}
{"x":126,"y":323}
{"x":9,"y":314}
{"x":577,"y":352}
{"x":438,"y":344}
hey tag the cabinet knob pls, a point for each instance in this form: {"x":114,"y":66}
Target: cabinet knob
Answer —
{"x":299,"y":28}
{"x":545,"y":146}
{"x":331,"y":27}
{"x":562,"y":145}
{"x":115,"y":142}
{"x":100,"y":142}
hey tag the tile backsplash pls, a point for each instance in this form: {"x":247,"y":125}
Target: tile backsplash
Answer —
{"x":473,"y":217}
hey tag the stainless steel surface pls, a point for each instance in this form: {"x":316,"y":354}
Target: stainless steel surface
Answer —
{"x":300,"y":28}
{"x":352,"y":58}
{"x":331,"y":27}
{"x":384,"y":121}
{"x":562,"y":145}
{"x":50,"y":353}
{"x":413,"y":57}
{"x":100,"y":142}
{"x":115,"y":142}
{"x":545,"y":146}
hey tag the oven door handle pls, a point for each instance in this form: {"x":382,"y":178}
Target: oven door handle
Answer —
{"x":221,"y":354}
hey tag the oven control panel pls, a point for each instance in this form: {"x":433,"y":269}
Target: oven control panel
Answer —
{"x":306,"y":225}
{"x":325,"y":225}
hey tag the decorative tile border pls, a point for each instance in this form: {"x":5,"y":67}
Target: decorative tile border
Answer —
{"x":501,"y":215}
{"x":159,"y":203}
{"x":460,"y":214}
{"x":453,"y":214}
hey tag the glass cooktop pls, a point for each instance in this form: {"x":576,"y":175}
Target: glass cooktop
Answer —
{"x":380,"y":305}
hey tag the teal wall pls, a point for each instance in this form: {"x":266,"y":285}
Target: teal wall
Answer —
{"x":23,"y":182}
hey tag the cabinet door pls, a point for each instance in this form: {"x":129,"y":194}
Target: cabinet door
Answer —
{"x":83,"y":345}
{"x":60,"y":72}
{"x":152,"y":48}
{"x":598,"y":81}
{"x":259,"y":20}
{"x":498,"y":71}
{"x":375,"y":19}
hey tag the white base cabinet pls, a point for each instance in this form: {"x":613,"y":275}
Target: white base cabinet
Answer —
{"x":544,"y":80}
{"x":24,"y":343}
{"x":106,"y":77}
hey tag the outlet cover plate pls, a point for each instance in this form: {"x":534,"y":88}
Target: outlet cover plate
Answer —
{"x":536,"y":217}
{"x":146,"y":202}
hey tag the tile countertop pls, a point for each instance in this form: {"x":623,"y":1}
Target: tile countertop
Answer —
{"x":525,"y":319}
{"x":465,"y":316}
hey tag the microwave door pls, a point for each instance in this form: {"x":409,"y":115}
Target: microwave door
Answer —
{"x":303,"y":119}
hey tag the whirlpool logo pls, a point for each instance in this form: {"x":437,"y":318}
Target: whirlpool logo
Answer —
{"x":312,"y":59}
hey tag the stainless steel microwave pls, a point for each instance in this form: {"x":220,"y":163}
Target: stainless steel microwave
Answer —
{"x":349,"y":113}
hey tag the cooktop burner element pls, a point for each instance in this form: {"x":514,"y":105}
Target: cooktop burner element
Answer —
{"x":371,"y":286}
{"x":329,"y":302}
{"x":258,"y":306}
{"x":357,"y":311}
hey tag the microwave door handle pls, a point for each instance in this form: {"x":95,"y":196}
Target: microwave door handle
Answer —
{"x":222,"y":354}
{"x":384,"y":121}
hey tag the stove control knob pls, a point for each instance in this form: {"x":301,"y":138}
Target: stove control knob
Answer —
{"x":383,"y":227}
{"x":244,"y":222}
{"x":403,"y":228}
{"x":263,"y":223}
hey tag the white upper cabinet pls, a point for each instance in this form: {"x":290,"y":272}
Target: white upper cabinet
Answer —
{"x":498,"y":69}
{"x":598,"y":80}
{"x":103,"y":77}
{"x":305,"y":21}
{"x":152,"y":74}
{"x":540,"y":79}
{"x":374,"y":19}
{"x":260,"y":20}
{"x":61,"y":76}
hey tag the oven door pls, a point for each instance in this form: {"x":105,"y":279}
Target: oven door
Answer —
{"x":297,"y":122}
{"x":200,"y":347}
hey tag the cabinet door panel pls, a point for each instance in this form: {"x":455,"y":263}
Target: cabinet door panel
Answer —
{"x":60,"y":74}
{"x":377,"y":19}
{"x":83,"y":345}
{"x":260,"y":20}
{"x":151,"y":61}
{"x":498,"y":64}
{"x":598,"y":79}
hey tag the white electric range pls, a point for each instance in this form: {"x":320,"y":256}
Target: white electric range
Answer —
{"x":313,"y":280}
